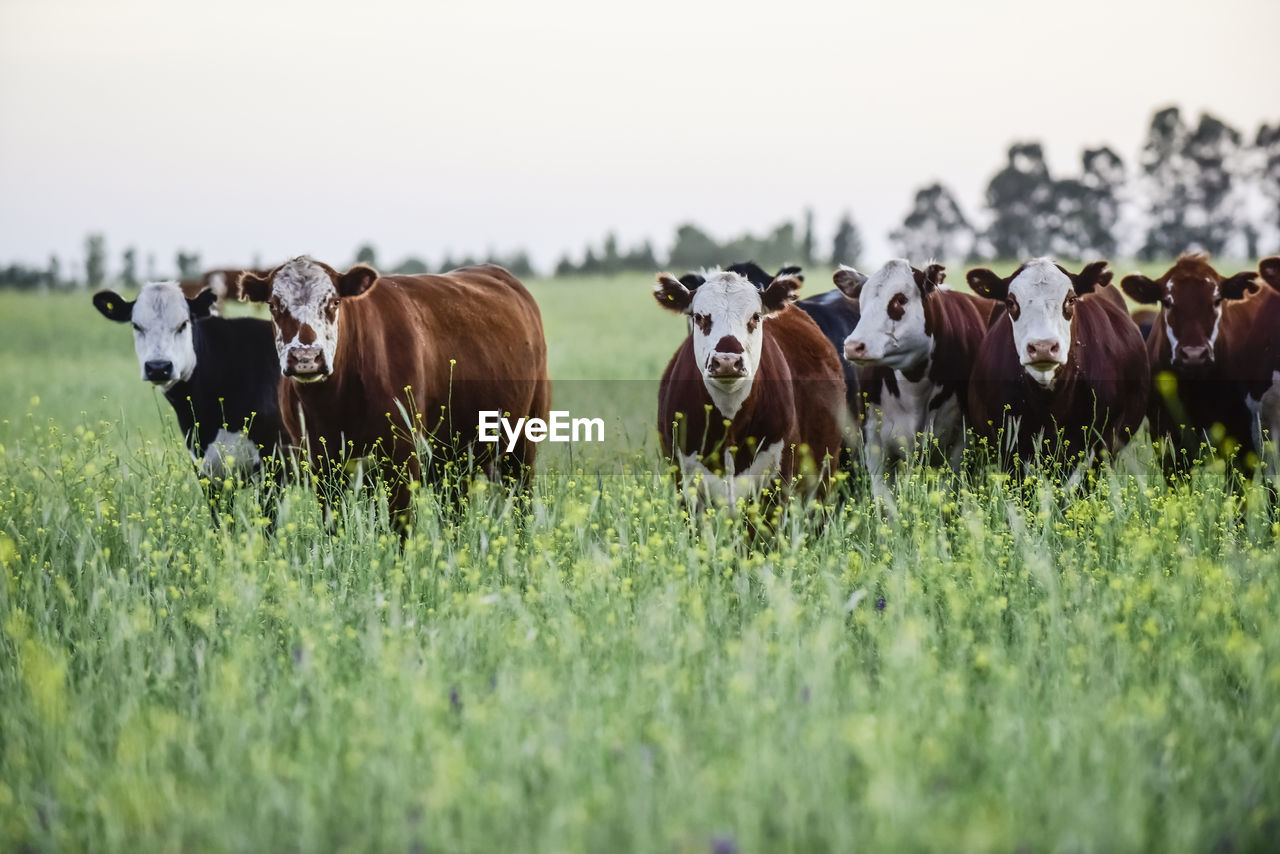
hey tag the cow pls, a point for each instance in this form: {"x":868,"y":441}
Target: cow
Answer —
{"x":914,"y":347}
{"x":223,"y":283}
{"x":835,"y":315}
{"x":219,"y":374}
{"x":1261,"y":367}
{"x":753,"y":395}
{"x":1196,"y":346}
{"x":1062,"y":366}
{"x":362,"y":354}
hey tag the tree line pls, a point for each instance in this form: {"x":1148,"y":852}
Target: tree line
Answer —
{"x":1205,"y":185}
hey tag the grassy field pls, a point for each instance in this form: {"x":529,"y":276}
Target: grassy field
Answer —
{"x":997,"y":667}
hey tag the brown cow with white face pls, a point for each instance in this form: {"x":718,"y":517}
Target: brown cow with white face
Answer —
{"x":1063,"y":365}
{"x":914,"y":346}
{"x":754,"y":395}
{"x":1195,"y":348}
{"x":358,"y":349}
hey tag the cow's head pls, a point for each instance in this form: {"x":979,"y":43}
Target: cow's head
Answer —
{"x":1190,"y":295}
{"x":305,"y":297}
{"x":893,"y":330}
{"x":1269,"y":270}
{"x":1041,"y":300}
{"x":162,"y":336}
{"x":727,"y":311}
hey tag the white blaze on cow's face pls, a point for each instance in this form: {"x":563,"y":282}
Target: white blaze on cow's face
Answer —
{"x":304,"y":310}
{"x":162,"y":336}
{"x":891,"y":328}
{"x":1041,"y":304}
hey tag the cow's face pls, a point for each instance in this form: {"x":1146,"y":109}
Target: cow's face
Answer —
{"x":892,"y":330}
{"x":727,"y":313}
{"x":161,"y":318}
{"x":1191,"y":296}
{"x":305,"y":299}
{"x":1041,"y":301}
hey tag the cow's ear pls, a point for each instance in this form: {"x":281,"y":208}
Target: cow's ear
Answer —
{"x":692,"y":281}
{"x":849,"y":281}
{"x":987,"y":284}
{"x":780,"y":294}
{"x":357,"y":280}
{"x":1238,"y":285}
{"x":1142,"y":289}
{"x":790,"y":271}
{"x":672,"y":295}
{"x":254,"y":286}
{"x":1092,"y":277}
{"x":1269,"y":269}
{"x":928,"y":279}
{"x":202,"y":305}
{"x":113,"y":306}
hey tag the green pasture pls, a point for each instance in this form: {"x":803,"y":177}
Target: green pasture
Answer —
{"x":997,"y":666}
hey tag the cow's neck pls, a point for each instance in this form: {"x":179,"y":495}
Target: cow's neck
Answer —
{"x":729,"y":403}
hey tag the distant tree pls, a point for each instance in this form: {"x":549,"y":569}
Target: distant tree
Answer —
{"x":1213,"y":150}
{"x":1103,"y":177}
{"x":1166,"y":185}
{"x":129,"y":268}
{"x":53,"y":273}
{"x":22,"y":278}
{"x":693,"y":249}
{"x":807,"y":246}
{"x":934,"y":228}
{"x":95,"y":261}
{"x":610,"y":260}
{"x":641,"y":259}
{"x":366,"y":254}
{"x":1267,"y":147}
{"x":408,"y":267}
{"x":847,"y":246}
{"x":1020,"y":198}
{"x":188,"y":264}
{"x":151,"y":266}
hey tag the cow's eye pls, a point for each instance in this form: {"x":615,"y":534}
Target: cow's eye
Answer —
{"x":136,"y":328}
{"x":1167,"y":302}
{"x":183,"y":327}
{"x":1011,"y":304}
{"x":755,"y":318}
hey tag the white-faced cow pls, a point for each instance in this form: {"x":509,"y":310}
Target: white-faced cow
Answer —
{"x":754,"y":395}
{"x":914,"y":346}
{"x":1198,"y":354}
{"x":1261,"y":367}
{"x":1062,"y":369}
{"x":358,"y":350}
{"x":218,"y":374}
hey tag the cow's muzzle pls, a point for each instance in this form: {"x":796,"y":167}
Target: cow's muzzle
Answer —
{"x":306,"y":364}
{"x":726,"y":366}
{"x":1193,"y":357}
{"x":1043,"y":354}
{"x":157,"y":371}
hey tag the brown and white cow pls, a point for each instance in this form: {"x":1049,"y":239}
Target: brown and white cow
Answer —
{"x":1062,"y":369}
{"x":1198,"y":354}
{"x":1261,"y":369}
{"x":359,"y":351}
{"x":914,"y":346}
{"x":754,"y":395}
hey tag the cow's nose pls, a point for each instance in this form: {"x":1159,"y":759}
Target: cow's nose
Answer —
{"x":157,"y":370}
{"x":1044,"y":350}
{"x":854,"y":349}
{"x":727,"y":365}
{"x":1195,"y":356}
{"x":305,"y":360}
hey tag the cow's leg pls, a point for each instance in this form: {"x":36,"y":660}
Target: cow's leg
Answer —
{"x":516,"y":468}
{"x":876,"y":454}
{"x":1266,"y":425}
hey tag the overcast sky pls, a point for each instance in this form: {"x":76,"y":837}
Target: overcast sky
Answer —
{"x":276,"y":128}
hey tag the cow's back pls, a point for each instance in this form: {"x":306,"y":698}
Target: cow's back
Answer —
{"x":817,"y":381}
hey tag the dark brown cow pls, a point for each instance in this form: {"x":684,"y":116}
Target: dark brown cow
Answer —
{"x":361,"y":352}
{"x":1064,"y":365}
{"x":914,"y":347}
{"x":754,"y":394}
{"x":1261,"y":366}
{"x":225,"y":285}
{"x":1195,"y":348}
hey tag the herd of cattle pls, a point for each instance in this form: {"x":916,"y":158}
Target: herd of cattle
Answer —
{"x":765,"y":389}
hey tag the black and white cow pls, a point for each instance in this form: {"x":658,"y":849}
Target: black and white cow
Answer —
{"x":220,"y":375}
{"x":914,"y":347}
